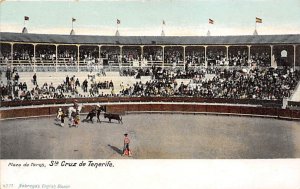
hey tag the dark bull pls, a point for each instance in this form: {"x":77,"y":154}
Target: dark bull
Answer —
{"x":113,"y":116}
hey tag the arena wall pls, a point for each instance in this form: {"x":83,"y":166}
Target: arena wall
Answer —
{"x":195,"y":108}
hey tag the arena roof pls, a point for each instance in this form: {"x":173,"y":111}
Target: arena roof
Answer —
{"x":151,"y":40}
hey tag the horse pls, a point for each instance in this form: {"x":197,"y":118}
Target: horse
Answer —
{"x":72,"y":111}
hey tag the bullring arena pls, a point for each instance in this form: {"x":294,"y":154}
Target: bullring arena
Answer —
{"x":235,"y":97}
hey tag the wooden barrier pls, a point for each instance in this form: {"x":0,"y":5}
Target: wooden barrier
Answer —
{"x":234,"y":109}
{"x":200,"y":108}
{"x":163,"y":107}
{"x":185,"y":108}
{"x":144,"y":107}
{"x":271,"y":112}
{"x":285,"y":113}
{"x":166,"y":107}
{"x":155,"y":107}
{"x":28,"y":112}
{"x":119,"y":109}
{"x":296,"y":114}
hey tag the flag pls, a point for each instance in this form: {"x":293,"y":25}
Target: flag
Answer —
{"x":118,"y":21}
{"x":210,"y":21}
{"x":73,"y":19}
{"x":164,"y":23}
{"x":26,"y":18}
{"x":258,"y":20}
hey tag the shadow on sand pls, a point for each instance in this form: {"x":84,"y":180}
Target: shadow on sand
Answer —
{"x":110,"y":122}
{"x":57,"y":124}
{"x":119,"y":151}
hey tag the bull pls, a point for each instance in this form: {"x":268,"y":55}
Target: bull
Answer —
{"x":113,"y":116}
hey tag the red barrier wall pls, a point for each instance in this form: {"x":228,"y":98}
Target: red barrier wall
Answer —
{"x":123,"y":108}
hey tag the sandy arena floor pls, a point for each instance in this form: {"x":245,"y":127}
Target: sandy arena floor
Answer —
{"x":155,"y":136}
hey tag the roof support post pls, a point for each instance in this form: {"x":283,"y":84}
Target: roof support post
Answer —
{"x":294,"y":66}
{"x":121,"y":57}
{"x":78,"y":58}
{"x":34,"y":58}
{"x":184,"y":56}
{"x":99,"y":58}
{"x":249,"y":55}
{"x":271,"y":58}
{"x":205,"y":56}
{"x":142,"y":55}
{"x":99,"y":46}
{"x":12,"y":54}
{"x":163,"y":56}
{"x":56,"y":56}
{"x":227,"y":54}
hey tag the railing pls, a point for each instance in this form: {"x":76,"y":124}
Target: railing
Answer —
{"x":294,"y":104}
{"x":264,"y":103}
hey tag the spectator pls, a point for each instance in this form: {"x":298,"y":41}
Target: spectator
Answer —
{"x":34,"y":79}
{"x":67,"y":80}
{"x":77,"y":83}
{"x":85,"y":85}
{"x":17,"y":78}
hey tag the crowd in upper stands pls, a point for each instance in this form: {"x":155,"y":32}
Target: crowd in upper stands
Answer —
{"x":238,"y":59}
{"x":195,"y":58}
{"x":153,"y":55}
{"x":132,"y":56}
{"x":173,"y":56}
{"x":262,"y":59}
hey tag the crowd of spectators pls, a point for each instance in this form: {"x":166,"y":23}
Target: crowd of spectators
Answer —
{"x":255,"y":83}
{"x":217,"y":58}
{"x":153,"y":55}
{"x":266,"y":84}
{"x":24,"y":54}
{"x":5,"y":55}
{"x":46,"y":53}
{"x":111,"y":55}
{"x":88,"y":56}
{"x":195,"y":58}
{"x":262,"y":59}
{"x":173,"y":56}
{"x":14,"y":89}
{"x":127,"y":72}
{"x":238,"y":59}
{"x":132,"y":55}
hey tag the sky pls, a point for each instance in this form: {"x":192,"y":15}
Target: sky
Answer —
{"x":144,"y":17}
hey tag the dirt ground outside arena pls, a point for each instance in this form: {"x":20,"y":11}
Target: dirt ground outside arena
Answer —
{"x":153,"y":136}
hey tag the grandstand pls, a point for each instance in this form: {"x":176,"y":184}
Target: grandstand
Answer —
{"x":41,"y":52}
{"x":189,"y":60}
